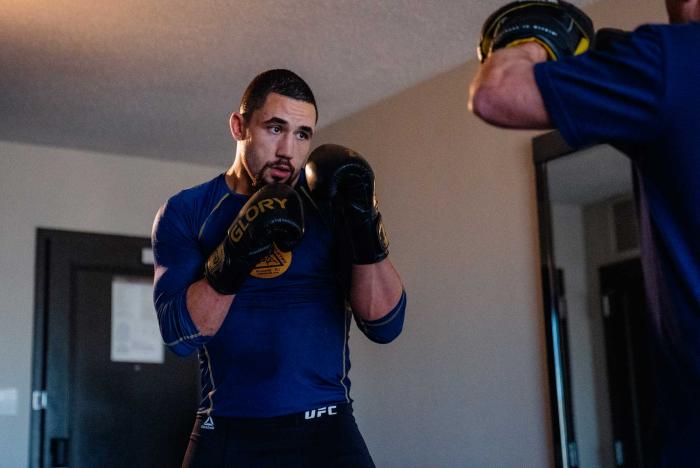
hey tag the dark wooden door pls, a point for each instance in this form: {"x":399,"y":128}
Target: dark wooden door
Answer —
{"x":113,"y":397}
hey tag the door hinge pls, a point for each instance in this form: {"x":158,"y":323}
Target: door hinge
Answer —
{"x":39,"y":399}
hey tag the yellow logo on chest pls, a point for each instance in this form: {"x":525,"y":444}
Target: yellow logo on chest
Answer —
{"x":273,"y":265}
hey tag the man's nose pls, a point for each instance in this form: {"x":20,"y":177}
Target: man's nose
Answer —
{"x":285,"y":146}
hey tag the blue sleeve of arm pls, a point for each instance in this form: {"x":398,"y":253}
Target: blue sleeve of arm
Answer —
{"x":387,"y":328}
{"x":612,"y":96}
{"x":178,"y":263}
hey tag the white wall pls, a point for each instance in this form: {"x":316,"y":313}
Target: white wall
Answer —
{"x":52,"y":188}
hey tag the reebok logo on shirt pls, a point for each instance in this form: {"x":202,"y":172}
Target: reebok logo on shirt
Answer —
{"x":208,"y":424}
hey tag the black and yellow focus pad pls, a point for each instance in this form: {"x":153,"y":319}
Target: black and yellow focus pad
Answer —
{"x":560,"y":27}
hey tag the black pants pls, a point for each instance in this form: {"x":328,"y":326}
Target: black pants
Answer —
{"x":326,"y":437}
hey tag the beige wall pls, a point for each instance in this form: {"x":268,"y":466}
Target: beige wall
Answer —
{"x":465,"y":383}
{"x":626,"y":14}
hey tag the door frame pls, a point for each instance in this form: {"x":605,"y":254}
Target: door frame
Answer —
{"x":546,"y":148}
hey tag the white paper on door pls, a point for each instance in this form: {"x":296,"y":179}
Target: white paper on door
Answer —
{"x":135,"y":333}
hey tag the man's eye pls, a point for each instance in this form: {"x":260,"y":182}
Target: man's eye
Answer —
{"x":275,"y":129}
{"x":302,"y":135}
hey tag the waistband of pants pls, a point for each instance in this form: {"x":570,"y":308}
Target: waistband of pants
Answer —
{"x":316,"y":414}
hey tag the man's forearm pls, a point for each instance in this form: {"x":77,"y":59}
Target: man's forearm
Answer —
{"x":504,"y":91}
{"x":207,"y":308}
{"x":375,"y":290}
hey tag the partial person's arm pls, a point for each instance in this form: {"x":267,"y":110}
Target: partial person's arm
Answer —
{"x":504,"y":91}
{"x":375,"y":289}
{"x":177,"y":265}
{"x":615,"y":92}
{"x":344,"y":178}
{"x":207,"y":308}
{"x":272,"y":215}
{"x":514,"y":39}
{"x":190,"y":308}
{"x":378,"y":300}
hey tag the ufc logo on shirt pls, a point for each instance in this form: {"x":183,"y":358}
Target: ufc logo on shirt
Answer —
{"x":317,"y":413}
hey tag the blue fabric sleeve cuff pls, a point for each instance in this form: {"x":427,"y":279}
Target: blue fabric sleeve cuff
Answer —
{"x":387,"y":328}
{"x":179,"y":331}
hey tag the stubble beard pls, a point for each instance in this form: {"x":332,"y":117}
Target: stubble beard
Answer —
{"x":258,"y":180}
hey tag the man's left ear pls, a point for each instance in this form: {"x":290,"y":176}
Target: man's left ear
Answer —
{"x":237,"y":124}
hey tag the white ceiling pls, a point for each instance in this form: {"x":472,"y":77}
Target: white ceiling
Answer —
{"x":158,"y":78}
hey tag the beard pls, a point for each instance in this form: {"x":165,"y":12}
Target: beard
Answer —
{"x":260,"y":179}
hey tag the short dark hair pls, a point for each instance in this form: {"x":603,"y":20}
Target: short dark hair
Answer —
{"x":280,"y":81}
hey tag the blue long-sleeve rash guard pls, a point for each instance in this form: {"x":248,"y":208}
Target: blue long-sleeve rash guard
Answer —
{"x":283,"y":347}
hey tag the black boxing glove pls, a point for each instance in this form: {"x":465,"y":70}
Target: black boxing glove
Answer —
{"x":342,"y":177}
{"x":273,"y":214}
{"x":561,"y":28}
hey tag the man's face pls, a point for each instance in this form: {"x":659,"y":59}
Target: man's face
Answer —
{"x":275,"y":141}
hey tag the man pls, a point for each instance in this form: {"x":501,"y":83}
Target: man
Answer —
{"x":639,"y":93}
{"x":254,"y":269}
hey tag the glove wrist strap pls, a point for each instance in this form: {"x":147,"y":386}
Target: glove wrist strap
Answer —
{"x":368,"y":241}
